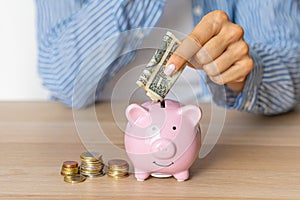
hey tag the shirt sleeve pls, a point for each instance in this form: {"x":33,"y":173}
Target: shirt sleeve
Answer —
{"x":83,"y":43}
{"x":272,"y":30}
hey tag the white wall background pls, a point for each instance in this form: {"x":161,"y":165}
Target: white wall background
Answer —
{"x":19,"y":79}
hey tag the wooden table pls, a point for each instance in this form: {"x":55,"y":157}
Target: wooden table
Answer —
{"x":256,"y":157}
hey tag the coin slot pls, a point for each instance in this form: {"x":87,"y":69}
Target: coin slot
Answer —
{"x":163,"y":104}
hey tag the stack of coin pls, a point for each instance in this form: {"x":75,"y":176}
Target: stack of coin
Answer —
{"x":69,"y":168}
{"x":117,"y":168}
{"x":91,"y":164}
{"x":77,"y":178}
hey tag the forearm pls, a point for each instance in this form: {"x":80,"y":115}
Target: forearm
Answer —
{"x":80,"y":52}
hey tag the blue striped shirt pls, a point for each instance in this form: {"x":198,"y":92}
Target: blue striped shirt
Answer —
{"x":82,"y":45}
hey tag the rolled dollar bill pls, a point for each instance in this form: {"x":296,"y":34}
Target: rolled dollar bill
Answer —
{"x":155,"y":60}
{"x":153,"y":79}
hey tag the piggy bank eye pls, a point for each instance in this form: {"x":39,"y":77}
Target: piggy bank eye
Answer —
{"x":174,"y":128}
{"x":152,"y":130}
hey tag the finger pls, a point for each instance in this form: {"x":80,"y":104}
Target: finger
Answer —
{"x":236,"y":73}
{"x":233,"y":53}
{"x":191,"y":65}
{"x":195,"y":64}
{"x":182,"y":54}
{"x":211,"y":50}
{"x":229,"y":34}
{"x":209,"y":26}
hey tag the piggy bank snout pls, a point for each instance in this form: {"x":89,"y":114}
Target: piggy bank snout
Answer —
{"x":163,"y":149}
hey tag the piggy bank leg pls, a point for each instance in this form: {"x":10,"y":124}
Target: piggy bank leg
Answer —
{"x":182,"y":176}
{"x":141,"y":176}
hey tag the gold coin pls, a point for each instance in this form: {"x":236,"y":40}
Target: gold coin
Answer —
{"x":65,"y":173}
{"x":69,"y":171}
{"x":117,"y":175}
{"x":93,"y":175}
{"x":88,"y":161}
{"x":87,"y":165}
{"x":90,"y":172}
{"x":117,"y":169}
{"x":90,"y":156}
{"x":117,"y":163}
{"x":74,"y":179}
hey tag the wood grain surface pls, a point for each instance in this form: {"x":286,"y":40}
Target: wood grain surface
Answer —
{"x":256,"y":157}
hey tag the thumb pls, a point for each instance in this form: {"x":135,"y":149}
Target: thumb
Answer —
{"x":186,"y":50}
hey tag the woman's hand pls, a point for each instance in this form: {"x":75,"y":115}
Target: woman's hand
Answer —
{"x":216,"y":45}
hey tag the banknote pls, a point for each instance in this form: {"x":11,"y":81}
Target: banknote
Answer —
{"x":155,"y":60}
{"x":153,"y":79}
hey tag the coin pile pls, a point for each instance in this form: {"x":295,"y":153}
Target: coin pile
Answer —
{"x":91,"y":164}
{"x":117,"y":168}
{"x":70,"y":172}
{"x":69,"y":168}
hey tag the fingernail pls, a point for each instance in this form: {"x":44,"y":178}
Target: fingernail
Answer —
{"x":169,"y":69}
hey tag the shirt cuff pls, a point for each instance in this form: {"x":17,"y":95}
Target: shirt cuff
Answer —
{"x":223,"y":96}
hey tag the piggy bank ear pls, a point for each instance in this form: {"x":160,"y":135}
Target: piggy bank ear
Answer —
{"x":191,"y":112}
{"x":138,"y":116}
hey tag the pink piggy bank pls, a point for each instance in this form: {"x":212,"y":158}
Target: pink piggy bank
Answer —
{"x":162,"y":141}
